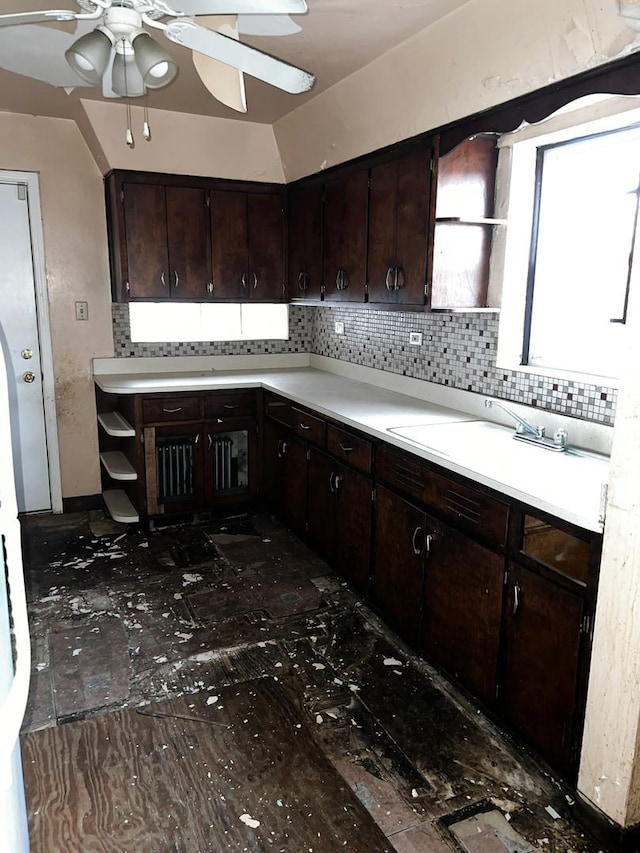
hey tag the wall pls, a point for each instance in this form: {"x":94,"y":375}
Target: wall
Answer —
{"x":483,"y":54}
{"x":76,"y":269}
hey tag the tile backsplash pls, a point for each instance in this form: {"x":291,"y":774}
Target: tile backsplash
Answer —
{"x":458,"y":350}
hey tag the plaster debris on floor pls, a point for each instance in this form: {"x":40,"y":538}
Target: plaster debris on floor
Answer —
{"x":228,"y":618}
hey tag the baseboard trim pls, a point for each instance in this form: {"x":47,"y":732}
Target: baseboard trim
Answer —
{"x":82,"y":503}
{"x":613,"y":837}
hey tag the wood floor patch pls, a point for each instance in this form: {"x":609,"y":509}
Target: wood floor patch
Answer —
{"x":237,"y":772}
{"x":90,"y":666}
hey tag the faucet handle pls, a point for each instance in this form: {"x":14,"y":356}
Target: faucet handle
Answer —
{"x":560,"y":437}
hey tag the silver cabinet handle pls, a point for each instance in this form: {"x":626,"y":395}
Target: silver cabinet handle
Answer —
{"x":304,"y":426}
{"x":255,"y":281}
{"x":303,"y":281}
{"x":417,"y":550}
{"x":243,"y":280}
{"x":172,"y":411}
{"x":342,"y":282}
{"x":389,"y":280}
{"x":399,"y":279}
{"x":229,"y":406}
{"x":210,"y":440}
{"x":163,"y":280}
{"x":196,"y":440}
{"x":177,"y":281}
{"x":210,"y":287}
{"x":516,"y":598}
{"x":346,"y":448}
{"x":331,"y":486}
{"x":428,"y":539}
{"x":337,"y":479}
{"x":282,"y":448}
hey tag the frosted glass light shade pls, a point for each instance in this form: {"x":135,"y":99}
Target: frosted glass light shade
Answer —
{"x":155,"y":65}
{"x":89,"y":56}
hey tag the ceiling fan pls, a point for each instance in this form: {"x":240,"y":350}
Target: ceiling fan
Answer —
{"x":119,"y":55}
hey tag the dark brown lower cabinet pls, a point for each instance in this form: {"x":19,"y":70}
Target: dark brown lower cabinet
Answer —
{"x":542,"y":639}
{"x":339,"y":517}
{"x":285,"y":474}
{"x":230,"y":463}
{"x":398,"y":562}
{"x":174,"y":469}
{"x":463,"y":589}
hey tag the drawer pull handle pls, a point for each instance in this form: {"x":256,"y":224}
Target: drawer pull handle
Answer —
{"x":229,"y":406}
{"x":346,"y":448}
{"x":172,"y":411}
{"x":304,"y":426}
{"x":334,"y":482}
{"x":516,"y":598}
{"x":417,"y":550}
{"x":282,"y":448}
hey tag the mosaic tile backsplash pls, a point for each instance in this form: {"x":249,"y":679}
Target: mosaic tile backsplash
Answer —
{"x":458,"y":350}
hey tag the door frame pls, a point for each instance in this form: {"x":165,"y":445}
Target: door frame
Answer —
{"x":30,"y":179}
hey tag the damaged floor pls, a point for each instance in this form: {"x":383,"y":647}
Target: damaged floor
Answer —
{"x":215,"y":687}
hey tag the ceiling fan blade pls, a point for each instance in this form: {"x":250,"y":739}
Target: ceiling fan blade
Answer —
{"x":225,"y":83}
{"x":38,"y":52}
{"x":37,"y":17}
{"x":261,"y":65}
{"x":239,"y":7}
{"x":267,"y":25}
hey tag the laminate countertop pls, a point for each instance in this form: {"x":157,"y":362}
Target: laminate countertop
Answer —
{"x":570,"y":485}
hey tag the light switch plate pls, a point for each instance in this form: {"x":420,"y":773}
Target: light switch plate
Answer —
{"x":82,"y":310}
{"x":415,"y":339}
{"x":339,"y":328}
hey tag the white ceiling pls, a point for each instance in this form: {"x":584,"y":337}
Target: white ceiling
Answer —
{"x":337,"y":38}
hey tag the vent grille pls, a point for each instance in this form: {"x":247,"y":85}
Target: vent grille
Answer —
{"x":226,"y":473}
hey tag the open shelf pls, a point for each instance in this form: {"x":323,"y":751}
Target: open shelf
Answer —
{"x":119,"y":506}
{"x":114,"y":424}
{"x":117,"y":465}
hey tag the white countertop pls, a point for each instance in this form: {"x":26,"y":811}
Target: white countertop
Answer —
{"x":567,"y":485}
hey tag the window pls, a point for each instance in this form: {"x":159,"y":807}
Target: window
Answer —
{"x":171,"y":322}
{"x":573,"y":210}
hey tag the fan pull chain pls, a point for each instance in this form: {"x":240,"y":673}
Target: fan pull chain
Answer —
{"x":146,"y":130}
{"x":129,"y":135}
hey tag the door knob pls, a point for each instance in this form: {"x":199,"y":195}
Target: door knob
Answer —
{"x":27,"y":353}
{"x":29,"y":377}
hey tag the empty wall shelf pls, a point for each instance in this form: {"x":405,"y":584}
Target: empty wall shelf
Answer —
{"x":114,"y":424}
{"x":119,"y":506}
{"x":117,"y":465}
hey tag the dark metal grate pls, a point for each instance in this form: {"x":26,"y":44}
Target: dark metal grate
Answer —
{"x":174,"y":468}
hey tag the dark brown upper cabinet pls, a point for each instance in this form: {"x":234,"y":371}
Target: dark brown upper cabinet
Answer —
{"x":399,"y":203}
{"x":247,"y":240}
{"x":165,"y":252}
{"x":305,"y":242}
{"x":345,"y":234}
{"x":465,"y":185}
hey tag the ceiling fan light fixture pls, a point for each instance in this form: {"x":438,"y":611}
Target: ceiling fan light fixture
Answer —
{"x":89,"y":55}
{"x":155,"y":65}
{"x":126,"y":79}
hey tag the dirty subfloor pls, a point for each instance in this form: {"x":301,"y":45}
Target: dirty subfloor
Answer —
{"x":225,"y":658}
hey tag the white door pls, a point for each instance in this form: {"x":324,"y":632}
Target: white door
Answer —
{"x":19,"y":339}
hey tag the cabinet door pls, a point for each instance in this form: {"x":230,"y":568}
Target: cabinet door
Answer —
{"x":189,"y":243}
{"x":462,"y":608}
{"x":230,"y":461}
{"x":266,"y":223}
{"x":398,"y":561}
{"x":229,"y":245}
{"x":542,"y":637}
{"x":174,"y":469}
{"x":398,"y":229}
{"x":305,"y":243}
{"x":321,"y":506}
{"x":345,"y":236}
{"x":352,"y":536}
{"x":145,"y":221}
{"x":284,"y":476}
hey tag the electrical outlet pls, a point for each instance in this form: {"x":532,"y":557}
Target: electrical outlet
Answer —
{"x":82,"y":310}
{"x":415,"y":339}
{"x":339,"y":328}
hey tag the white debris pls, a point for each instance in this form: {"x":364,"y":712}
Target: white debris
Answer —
{"x":191,"y":579}
{"x":392,"y":662}
{"x":161,"y":658}
{"x":318,"y":666}
{"x":183,"y":636}
{"x":551,"y":811}
{"x":41,"y":666}
{"x":319,"y":719}
{"x":414,"y":793}
{"x":76,"y":652}
{"x":250,"y":821}
{"x":212,"y":700}
{"x":177,"y":596}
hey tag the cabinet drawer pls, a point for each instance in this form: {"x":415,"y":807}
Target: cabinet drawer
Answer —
{"x":480,"y":515}
{"x":278,"y":409}
{"x":350,"y":448}
{"x":230,"y":404}
{"x":308,"y":426}
{"x":160,"y":409}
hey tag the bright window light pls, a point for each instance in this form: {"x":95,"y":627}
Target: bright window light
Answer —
{"x":189,"y":322}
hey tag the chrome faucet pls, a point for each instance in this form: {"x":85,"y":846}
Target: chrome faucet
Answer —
{"x":528,"y":432}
